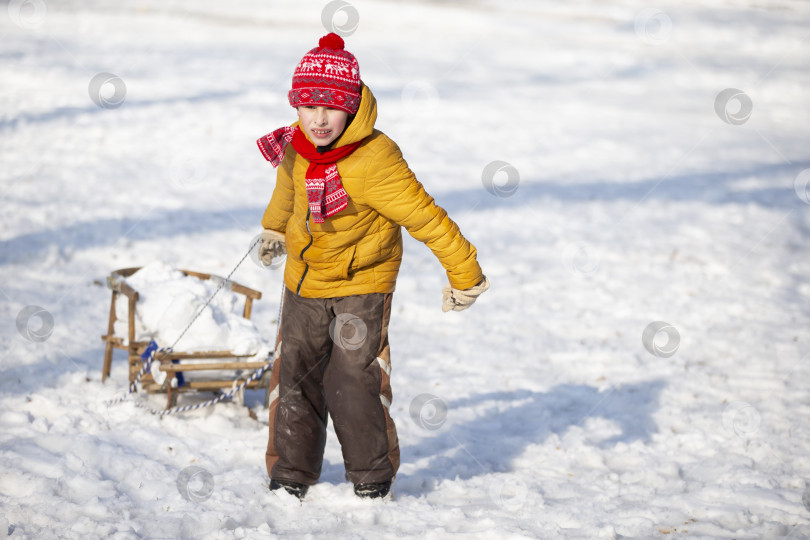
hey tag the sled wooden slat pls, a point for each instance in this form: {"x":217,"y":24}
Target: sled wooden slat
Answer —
{"x":200,"y":355}
{"x":208,"y":367}
{"x":192,"y":386}
{"x":176,"y":361}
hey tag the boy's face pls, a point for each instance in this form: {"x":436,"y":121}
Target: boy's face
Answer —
{"x":322,"y":124}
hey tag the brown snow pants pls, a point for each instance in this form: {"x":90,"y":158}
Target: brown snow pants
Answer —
{"x":334,"y":359}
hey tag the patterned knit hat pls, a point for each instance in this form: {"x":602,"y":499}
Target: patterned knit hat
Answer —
{"x":327,"y":76}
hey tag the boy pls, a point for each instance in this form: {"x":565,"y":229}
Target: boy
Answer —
{"x":343,"y":192}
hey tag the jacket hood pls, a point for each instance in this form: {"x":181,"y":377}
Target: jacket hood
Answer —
{"x":363,"y":124}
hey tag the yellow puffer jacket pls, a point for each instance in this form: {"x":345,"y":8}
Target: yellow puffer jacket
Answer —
{"x":359,"y":249}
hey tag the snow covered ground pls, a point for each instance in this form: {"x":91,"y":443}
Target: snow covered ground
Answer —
{"x":633,"y":189}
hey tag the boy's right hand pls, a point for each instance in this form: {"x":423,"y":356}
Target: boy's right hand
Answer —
{"x":271,"y":245}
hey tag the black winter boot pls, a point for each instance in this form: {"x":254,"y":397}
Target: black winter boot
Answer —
{"x":372,"y":490}
{"x":293,"y":488}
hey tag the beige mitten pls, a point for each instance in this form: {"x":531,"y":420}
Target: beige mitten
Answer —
{"x":458,"y":300}
{"x":271,"y":245}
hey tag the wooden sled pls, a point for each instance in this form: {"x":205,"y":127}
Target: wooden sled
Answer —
{"x":224,"y":366}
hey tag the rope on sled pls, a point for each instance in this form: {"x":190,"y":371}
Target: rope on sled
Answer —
{"x":219,"y":288}
{"x":149,"y":356}
{"x":152,"y":349}
{"x":174,"y":410}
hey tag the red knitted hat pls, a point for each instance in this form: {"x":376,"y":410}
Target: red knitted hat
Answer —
{"x":327,"y":76}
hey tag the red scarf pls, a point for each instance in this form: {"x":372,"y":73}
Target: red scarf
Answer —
{"x":324,"y":189}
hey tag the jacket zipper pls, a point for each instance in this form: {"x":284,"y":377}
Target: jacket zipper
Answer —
{"x":306,"y":264}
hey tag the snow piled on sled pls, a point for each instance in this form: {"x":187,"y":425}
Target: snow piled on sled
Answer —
{"x":174,"y":309}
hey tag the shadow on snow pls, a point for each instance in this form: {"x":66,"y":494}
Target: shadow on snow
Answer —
{"x":506,"y":424}
{"x":149,"y":225}
{"x":716,"y":188}
{"x":711,"y":188}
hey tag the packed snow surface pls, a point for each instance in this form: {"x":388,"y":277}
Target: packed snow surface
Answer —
{"x":634,"y":177}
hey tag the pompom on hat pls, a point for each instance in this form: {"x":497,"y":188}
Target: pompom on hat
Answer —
{"x":327,"y":76}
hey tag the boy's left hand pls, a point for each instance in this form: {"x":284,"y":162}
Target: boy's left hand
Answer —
{"x":459,"y":300}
